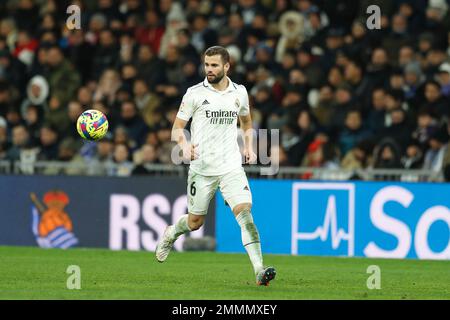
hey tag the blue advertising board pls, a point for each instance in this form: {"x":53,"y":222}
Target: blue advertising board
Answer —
{"x":363,"y":219}
{"x":104,"y":212}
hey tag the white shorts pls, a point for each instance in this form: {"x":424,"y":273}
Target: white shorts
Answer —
{"x":201,"y":189}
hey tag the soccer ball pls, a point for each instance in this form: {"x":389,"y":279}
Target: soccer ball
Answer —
{"x":92,"y":125}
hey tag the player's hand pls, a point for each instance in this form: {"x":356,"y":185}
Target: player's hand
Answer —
{"x":250,"y":156}
{"x":190,"y":151}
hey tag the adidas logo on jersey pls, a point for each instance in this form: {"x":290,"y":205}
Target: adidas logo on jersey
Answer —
{"x":205,"y":102}
{"x":246,"y":188}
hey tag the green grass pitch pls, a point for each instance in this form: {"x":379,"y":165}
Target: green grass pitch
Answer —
{"x":34,"y":273}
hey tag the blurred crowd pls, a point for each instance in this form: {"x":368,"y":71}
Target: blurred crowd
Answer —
{"x":341,"y":94}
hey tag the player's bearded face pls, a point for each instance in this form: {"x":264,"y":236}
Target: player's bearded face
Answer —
{"x":215,"y":69}
{"x":215,"y":78}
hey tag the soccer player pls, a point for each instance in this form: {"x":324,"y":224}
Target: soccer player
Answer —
{"x":215,"y":160}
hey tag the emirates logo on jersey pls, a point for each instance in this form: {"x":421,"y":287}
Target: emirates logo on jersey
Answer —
{"x":221,"y":116}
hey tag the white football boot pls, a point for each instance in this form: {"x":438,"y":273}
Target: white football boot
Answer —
{"x":165,"y":245}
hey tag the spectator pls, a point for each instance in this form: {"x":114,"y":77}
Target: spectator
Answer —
{"x":148,"y":156}
{"x":106,"y":53}
{"x":48,"y":143}
{"x":427,"y":125}
{"x":434,"y":58}
{"x":434,"y":157}
{"x":108,"y":86}
{"x":292,"y":103}
{"x":132,"y":122}
{"x":413,"y":158}
{"x":291,"y":26}
{"x":324,"y":108}
{"x":444,"y":79}
{"x":353,"y":75}
{"x":343,"y":102}
{"x":149,"y":66}
{"x":413,"y":80}
{"x":387,"y":155}
{"x":393,"y":100}
{"x":74,"y":110}
{"x":103,"y":157}
{"x":264,"y":103}
{"x":8,"y":30}
{"x":360,"y":157}
{"x":353,"y":132}
{"x":122,"y":165}
{"x":147,"y":102}
{"x":379,"y":68}
{"x":406,"y":55}
{"x":151,"y":33}
{"x":185,"y":48}
{"x":79,"y":52}
{"x":67,"y":153}
{"x":175,"y":20}
{"x":334,"y":41}
{"x":377,"y":114}
{"x":37,"y":93}
{"x":13,"y":117}
{"x":399,"y":130}
{"x":304,"y":131}
{"x":25,"y":15}
{"x":56,"y":115}
{"x":358,"y":43}
{"x":6,"y":99}
{"x":84,"y":96}
{"x":435,"y":100}
{"x":306,"y":63}
{"x":12,"y":70}
{"x":20,"y":142}
{"x":398,"y":37}
{"x":219,"y":16}
{"x":63,"y":78}
{"x":121,"y":136}
{"x":34,"y":118}
{"x":25,"y":47}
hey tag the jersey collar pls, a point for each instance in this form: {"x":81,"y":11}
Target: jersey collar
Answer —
{"x":231,"y":86}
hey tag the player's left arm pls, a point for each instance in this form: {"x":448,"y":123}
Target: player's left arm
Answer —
{"x":247,"y":127}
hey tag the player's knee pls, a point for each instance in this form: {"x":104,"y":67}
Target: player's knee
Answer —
{"x":195,"y":222}
{"x":241,"y":207}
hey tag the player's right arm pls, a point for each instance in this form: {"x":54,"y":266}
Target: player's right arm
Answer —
{"x":189,"y":151}
{"x":178,"y":134}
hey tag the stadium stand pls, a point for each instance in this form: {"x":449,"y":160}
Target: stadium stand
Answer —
{"x":350,"y":102}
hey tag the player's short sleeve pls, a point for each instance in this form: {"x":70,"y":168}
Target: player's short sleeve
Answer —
{"x":186,"y":107}
{"x":244,"y":105}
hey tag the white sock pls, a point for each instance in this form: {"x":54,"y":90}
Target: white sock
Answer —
{"x":181,"y":227}
{"x":250,"y":239}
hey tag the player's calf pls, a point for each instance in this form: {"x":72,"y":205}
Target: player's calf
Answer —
{"x":250,"y":238}
{"x":195,"y":221}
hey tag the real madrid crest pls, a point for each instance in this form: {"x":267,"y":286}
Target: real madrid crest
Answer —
{"x":237,"y":104}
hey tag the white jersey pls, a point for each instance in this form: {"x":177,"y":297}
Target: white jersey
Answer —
{"x":214,"y":125}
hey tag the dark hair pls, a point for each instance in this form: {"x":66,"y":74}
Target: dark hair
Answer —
{"x":397,"y":94}
{"x":218,"y":50}
{"x":434,"y":83}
